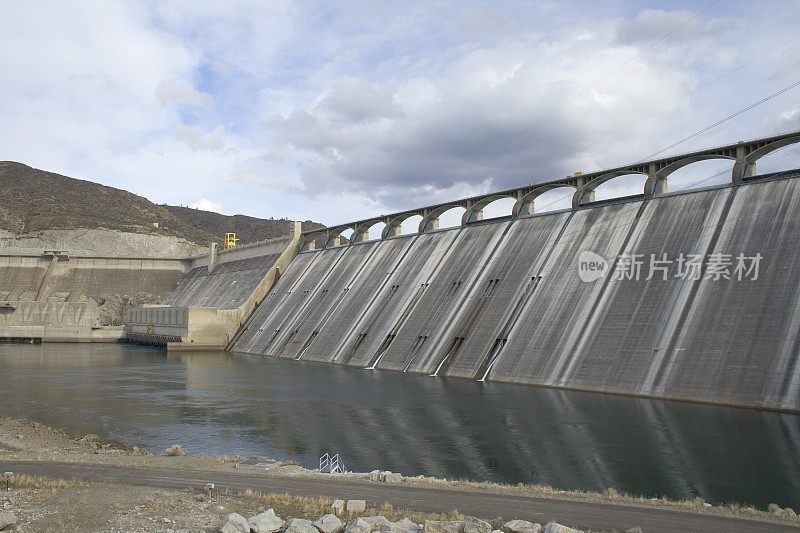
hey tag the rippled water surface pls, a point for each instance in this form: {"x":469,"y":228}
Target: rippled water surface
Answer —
{"x":225,"y":404}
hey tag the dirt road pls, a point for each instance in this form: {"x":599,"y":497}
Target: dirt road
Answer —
{"x":579,"y":514}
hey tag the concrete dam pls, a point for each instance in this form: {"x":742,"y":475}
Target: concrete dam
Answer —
{"x":217,"y":293}
{"x":690,"y":296}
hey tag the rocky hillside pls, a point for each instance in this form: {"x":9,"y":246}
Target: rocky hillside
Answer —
{"x":247,"y":229}
{"x":33,"y":200}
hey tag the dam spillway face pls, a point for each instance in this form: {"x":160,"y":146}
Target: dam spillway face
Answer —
{"x":226,"y":287}
{"x":691,"y":296}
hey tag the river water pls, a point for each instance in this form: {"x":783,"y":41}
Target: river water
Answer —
{"x":228,"y":404}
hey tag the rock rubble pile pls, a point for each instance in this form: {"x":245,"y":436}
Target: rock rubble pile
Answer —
{"x":269,"y":522}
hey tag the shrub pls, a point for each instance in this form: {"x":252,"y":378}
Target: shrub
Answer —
{"x":175,"y":450}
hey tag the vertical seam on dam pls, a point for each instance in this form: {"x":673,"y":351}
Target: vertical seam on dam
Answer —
{"x":565,"y":371}
{"x":677,"y":334}
{"x":286,"y":295}
{"x":268,"y":299}
{"x":370,"y":307}
{"x":465,"y":302}
{"x":526,"y":297}
{"x":411,"y":305}
{"x":301,"y":312}
{"x":338,"y":300}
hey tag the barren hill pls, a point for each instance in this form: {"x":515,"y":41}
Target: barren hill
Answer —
{"x":33,"y":200}
{"x":247,"y":229}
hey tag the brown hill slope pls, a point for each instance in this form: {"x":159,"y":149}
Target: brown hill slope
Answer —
{"x":33,"y":200}
{"x":247,"y":229}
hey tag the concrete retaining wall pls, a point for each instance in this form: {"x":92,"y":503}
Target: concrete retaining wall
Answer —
{"x":55,"y":297}
{"x":54,"y":322}
{"x":504,"y":300}
{"x":68,"y":278}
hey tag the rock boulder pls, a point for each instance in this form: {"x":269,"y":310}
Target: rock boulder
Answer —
{"x":401,"y":526}
{"x":300,"y":525}
{"x":266,"y":522}
{"x":329,"y":523}
{"x":234,"y":523}
{"x":376,"y":522}
{"x":7,"y":520}
{"x":521,"y":526}
{"x":554,"y":527}
{"x":359,"y":525}
{"x":444,"y":526}
{"x":475,"y":525}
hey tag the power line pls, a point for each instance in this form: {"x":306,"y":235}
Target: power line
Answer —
{"x":721,"y":121}
{"x":767,"y":50}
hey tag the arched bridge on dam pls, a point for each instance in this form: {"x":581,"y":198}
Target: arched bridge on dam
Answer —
{"x":745,"y":154}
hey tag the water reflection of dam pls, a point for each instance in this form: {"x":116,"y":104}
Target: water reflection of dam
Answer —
{"x":226,"y":404}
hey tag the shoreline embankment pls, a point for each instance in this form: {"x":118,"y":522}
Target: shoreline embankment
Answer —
{"x":34,"y":447}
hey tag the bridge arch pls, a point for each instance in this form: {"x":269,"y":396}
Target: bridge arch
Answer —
{"x":525,"y":203}
{"x":620,"y":185}
{"x":701,"y":174}
{"x":394,"y":224}
{"x":362,"y":231}
{"x":410,"y":225}
{"x":671,"y":167}
{"x":474,"y":209}
{"x":430,"y":218}
{"x":336,"y":233}
{"x":746,"y":166}
{"x":768,"y":147}
{"x":313,"y":241}
{"x":767,"y":160}
{"x":608,"y":176}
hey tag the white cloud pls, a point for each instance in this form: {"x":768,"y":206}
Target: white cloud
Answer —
{"x":490,"y":119}
{"x":789,"y":120}
{"x":479,"y":23}
{"x":197,"y":140}
{"x":181,"y":92}
{"x":338,"y":112}
{"x":356,"y":100}
{"x":675,"y":26}
{"x":207,"y":205}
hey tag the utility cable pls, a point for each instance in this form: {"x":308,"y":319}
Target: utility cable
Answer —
{"x":767,"y":50}
{"x":721,"y":121}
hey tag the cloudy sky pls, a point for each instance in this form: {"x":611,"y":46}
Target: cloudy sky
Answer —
{"x":340,"y":111}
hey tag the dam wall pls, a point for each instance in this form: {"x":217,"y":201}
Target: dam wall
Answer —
{"x":216,"y":296}
{"x":61,"y":277}
{"x":692,"y":296}
{"x":227,"y":280}
{"x":54,"y":322}
{"x":55,"y":297}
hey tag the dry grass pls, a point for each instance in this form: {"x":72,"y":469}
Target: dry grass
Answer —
{"x":609,"y":495}
{"x":287,"y":505}
{"x":22,"y":481}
